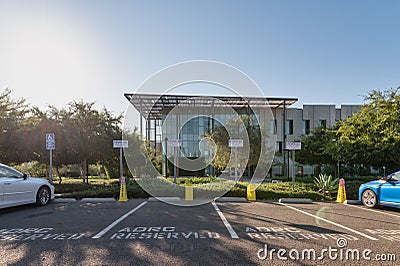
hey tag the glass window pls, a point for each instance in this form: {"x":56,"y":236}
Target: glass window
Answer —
{"x":272,"y":126}
{"x":289,"y":127}
{"x":9,"y":172}
{"x":279,"y":147}
{"x":395,"y":176}
{"x":306,"y":127}
{"x":256,"y":118}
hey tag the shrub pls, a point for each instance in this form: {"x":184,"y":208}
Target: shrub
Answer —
{"x":284,"y":190}
{"x":199,"y":180}
{"x":326,"y":185}
{"x":162,"y":187}
{"x":34,"y":169}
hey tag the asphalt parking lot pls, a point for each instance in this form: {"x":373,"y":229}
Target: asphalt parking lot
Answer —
{"x":143,"y":232}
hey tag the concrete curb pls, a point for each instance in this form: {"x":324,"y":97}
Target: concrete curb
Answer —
{"x":296,"y":201}
{"x":97,"y":200}
{"x":352,"y":202}
{"x":152,"y":199}
{"x":64,"y":200}
{"x":230,"y":199}
{"x":195,"y":201}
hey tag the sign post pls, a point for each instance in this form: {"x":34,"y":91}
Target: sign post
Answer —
{"x":120,"y":144}
{"x":176,"y":143}
{"x":50,"y":145}
{"x":234,"y":144}
{"x":293,"y":146}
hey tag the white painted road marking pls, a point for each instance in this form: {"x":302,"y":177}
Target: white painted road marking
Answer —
{"x":372,"y":210}
{"x":225,"y":221}
{"x":330,"y":222}
{"x":108,"y":228}
{"x":47,"y":233}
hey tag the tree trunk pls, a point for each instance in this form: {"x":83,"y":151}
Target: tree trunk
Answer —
{"x":58,"y":174}
{"x":84,"y":171}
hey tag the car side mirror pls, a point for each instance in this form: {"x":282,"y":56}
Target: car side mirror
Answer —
{"x":25,"y":176}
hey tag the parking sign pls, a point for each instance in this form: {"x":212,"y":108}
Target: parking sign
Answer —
{"x":50,"y":141}
{"x":235,"y":143}
{"x":118,"y":143}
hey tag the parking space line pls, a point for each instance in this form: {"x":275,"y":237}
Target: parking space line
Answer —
{"x":225,"y":221}
{"x":330,"y":222}
{"x":372,"y":210}
{"x":108,"y":228}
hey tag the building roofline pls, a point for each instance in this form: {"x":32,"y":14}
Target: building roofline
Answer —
{"x":151,"y":105}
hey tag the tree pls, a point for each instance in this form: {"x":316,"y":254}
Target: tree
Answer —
{"x":235,"y":126}
{"x":83,"y":133}
{"x":139,"y":155}
{"x":372,"y":136}
{"x":317,"y":147}
{"x":88,"y":134}
{"x":13,"y":123}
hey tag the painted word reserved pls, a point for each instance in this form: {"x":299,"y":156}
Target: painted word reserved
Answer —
{"x":27,"y":234}
{"x":168,"y":232}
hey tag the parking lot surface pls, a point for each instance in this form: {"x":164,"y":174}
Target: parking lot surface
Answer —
{"x":143,"y":232}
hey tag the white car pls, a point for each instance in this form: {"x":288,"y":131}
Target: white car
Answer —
{"x":17,"y":188}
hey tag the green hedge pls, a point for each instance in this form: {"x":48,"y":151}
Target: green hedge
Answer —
{"x":264,"y":191}
{"x":304,"y":188}
{"x":98,"y":190}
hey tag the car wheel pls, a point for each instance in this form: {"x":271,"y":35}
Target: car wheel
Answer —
{"x":43,"y":196}
{"x":369,"y":198}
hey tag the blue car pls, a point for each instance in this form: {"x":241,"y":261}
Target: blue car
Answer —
{"x":385,"y":192}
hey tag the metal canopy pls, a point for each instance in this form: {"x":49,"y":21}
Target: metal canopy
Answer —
{"x":151,"y":105}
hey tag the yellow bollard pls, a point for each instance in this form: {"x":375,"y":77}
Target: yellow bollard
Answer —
{"x":341,"y":195}
{"x":188,"y":192}
{"x":123,"y":196}
{"x":251,"y":192}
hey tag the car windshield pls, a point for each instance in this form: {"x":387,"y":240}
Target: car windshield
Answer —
{"x":395,"y":176}
{"x":6,"y":171}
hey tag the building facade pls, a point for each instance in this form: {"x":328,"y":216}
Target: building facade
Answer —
{"x":301,"y":121}
{"x":186,"y":118}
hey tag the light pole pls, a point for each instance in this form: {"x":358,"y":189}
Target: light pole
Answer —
{"x":333,"y":159}
{"x":166,"y":157}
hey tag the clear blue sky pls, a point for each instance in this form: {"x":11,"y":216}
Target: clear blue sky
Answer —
{"x":52,"y":52}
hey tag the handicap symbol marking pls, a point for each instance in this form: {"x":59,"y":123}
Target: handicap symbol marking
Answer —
{"x":387,"y":234}
{"x":292,"y":233}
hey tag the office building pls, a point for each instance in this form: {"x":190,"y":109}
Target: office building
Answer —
{"x":195,"y":115}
